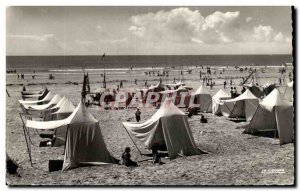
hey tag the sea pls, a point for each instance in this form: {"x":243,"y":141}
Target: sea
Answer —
{"x":109,"y":62}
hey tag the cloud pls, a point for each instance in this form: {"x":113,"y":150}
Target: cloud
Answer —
{"x":279,"y":37}
{"x":263,"y":33}
{"x":48,"y":39}
{"x":85,"y":43}
{"x":45,"y":37}
{"x":248,"y":19}
{"x":184,"y":25}
{"x":268,"y":34}
{"x":99,"y":28}
{"x":39,"y":44}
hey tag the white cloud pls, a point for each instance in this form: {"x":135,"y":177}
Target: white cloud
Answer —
{"x":45,"y":37}
{"x":39,"y":44}
{"x":197,"y":40}
{"x":279,"y":37}
{"x":268,"y":34}
{"x":263,"y":33}
{"x":48,"y":39}
{"x":248,"y":19}
{"x":85,"y":43}
{"x":185,"y":25}
{"x":99,"y":28}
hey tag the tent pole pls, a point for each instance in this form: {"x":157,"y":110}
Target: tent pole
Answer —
{"x":133,"y":141}
{"x":28,"y":150}
{"x":231,"y":110}
{"x":66,"y":140}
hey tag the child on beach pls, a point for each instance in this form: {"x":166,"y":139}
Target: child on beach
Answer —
{"x":126,"y":158}
{"x":203,"y":119}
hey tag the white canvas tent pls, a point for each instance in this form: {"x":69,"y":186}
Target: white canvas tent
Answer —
{"x":202,"y":96}
{"x":274,"y":113}
{"x":35,"y":96}
{"x":180,"y":83}
{"x":84,"y":141}
{"x":53,"y":102}
{"x":47,"y":98}
{"x":157,"y":88}
{"x":243,"y":106}
{"x":33,"y":92}
{"x":220,"y":95}
{"x":289,"y":92}
{"x":168,"y":128}
{"x":62,"y":112}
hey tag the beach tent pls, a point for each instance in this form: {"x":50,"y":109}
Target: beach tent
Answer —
{"x":46,"y":99}
{"x":84,"y":141}
{"x":243,"y":106}
{"x":168,"y":128}
{"x":274,"y":113}
{"x":178,"y":84}
{"x":34,"y":92}
{"x":52,"y":103}
{"x":36,"y":96}
{"x":215,"y":102}
{"x":50,"y":110}
{"x":178,"y":96}
{"x":268,"y":88}
{"x":157,"y":88}
{"x":289,"y":92}
{"x":64,"y":111}
{"x":255,"y":90}
{"x":202,"y":96}
{"x":180,"y":89}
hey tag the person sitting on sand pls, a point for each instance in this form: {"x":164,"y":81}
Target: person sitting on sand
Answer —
{"x":203,"y":119}
{"x":126,"y":158}
{"x":155,"y":154}
{"x":138,"y":115}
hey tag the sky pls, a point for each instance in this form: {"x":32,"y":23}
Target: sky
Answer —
{"x":148,"y":30}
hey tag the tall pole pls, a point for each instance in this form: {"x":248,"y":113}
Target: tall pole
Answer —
{"x":104,"y":80}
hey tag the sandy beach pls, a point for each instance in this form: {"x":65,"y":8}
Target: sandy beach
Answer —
{"x":233,"y":158}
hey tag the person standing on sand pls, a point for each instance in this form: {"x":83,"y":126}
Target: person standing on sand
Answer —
{"x":234,"y":92}
{"x":243,"y":90}
{"x":138,"y":115}
{"x":231,"y":92}
{"x":225,"y":84}
{"x":146,"y":84}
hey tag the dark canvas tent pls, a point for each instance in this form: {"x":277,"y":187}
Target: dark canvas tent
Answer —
{"x":255,"y":90}
{"x":274,"y":113}
{"x":168,"y":128}
{"x":243,"y":106}
{"x":84,"y":141}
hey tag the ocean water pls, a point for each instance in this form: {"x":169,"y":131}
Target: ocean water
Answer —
{"x":115,"y":63}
